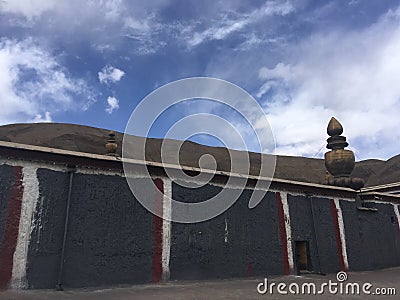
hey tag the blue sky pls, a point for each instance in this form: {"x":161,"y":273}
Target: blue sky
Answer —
{"x":91,"y":62}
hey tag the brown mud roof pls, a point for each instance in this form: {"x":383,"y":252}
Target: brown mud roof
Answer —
{"x":92,"y":140}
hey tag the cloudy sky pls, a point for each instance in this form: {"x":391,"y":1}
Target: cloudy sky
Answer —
{"x":91,"y":62}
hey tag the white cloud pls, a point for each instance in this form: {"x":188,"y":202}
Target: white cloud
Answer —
{"x":144,"y":25}
{"x":43,"y":119}
{"x":109,"y":24}
{"x":228,"y":25}
{"x":110,"y":74}
{"x":352,"y":75}
{"x":113,"y":9}
{"x":113,"y":104}
{"x":147,"y":33}
{"x":33,"y":83}
{"x":33,"y":9}
{"x":30,"y":9}
{"x":104,"y":23}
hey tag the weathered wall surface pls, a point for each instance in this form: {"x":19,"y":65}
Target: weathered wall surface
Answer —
{"x":10,"y":204}
{"x":113,"y":239}
{"x":238,"y":243}
{"x":373,"y":236}
{"x":7,"y":179}
{"x":109,"y":238}
{"x":324,"y":256}
{"x":47,"y":235}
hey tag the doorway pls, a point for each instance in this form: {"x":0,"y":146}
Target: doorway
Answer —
{"x":302,"y":257}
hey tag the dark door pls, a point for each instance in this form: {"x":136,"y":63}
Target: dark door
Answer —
{"x":302,"y":256}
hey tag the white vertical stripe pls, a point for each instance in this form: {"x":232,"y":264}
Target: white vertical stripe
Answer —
{"x":28,"y":207}
{"x":342,"y":234}
{"x":166,"y":228}
{"x":396,"y":212}
{"x":288,"y":229}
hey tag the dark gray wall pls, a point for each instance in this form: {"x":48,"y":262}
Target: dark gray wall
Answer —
{"x":7,"y":179}
{"x":372,"y":238}
{"x":303,"y":230}
{"x":46,"y":240}
{"x":109,"y":238}
{"x":199,"y":251}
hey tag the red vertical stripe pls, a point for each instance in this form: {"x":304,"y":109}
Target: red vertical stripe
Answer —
{"x":282,"y":233}
{"x":335,"y":218}
{"x":157,"y":232}
{"x":10,"y":236}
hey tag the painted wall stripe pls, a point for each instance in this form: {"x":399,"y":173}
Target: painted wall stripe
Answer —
{"x":397,"y":213}
{"x":338,"y":223}
{"x":285,"y":232}
{"x":10,"y":237}
{"x":156,"y":275}
{"x":29,"y":201}
{"x":342,"y":233}
{"x":166,"y":230}
{"x":288,"y":228}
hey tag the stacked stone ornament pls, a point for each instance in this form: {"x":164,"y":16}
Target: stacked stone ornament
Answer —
{"x":340,"y":162}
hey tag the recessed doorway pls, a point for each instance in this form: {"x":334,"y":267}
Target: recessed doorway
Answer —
{"x":302,"y":257}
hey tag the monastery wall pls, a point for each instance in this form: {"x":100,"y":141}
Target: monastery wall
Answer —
{"x":112,"y":239}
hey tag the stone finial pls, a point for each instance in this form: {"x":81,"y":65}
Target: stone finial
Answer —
{"x":334,"y":127}
{"x":336,"y":141}
{"x":111,"y":144}
{"x":340,"y":162}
